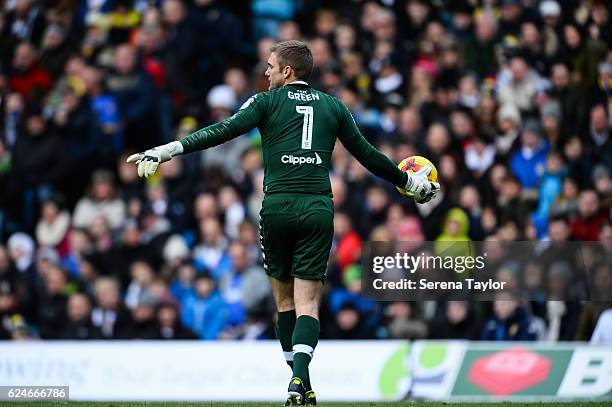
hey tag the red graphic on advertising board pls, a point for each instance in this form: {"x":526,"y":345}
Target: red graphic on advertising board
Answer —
{"x":510,"y":371}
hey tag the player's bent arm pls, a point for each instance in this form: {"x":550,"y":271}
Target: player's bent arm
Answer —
{"x":372,"y":159}
{"x":247,"y":118}
{"x":416,"y":186}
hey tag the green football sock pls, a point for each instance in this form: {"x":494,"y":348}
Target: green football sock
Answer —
{"x":284,"y":332}
{"x":305,"y":338}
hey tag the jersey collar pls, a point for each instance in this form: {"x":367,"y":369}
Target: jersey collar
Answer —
{"x":303,"y":83}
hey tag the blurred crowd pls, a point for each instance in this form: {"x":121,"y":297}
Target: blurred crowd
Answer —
{"x":511,"y":99}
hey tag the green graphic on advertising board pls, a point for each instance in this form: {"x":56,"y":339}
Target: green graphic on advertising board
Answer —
{"x":394,"y":372}
{"x":433,"y":355}
{"x":516,"y":371}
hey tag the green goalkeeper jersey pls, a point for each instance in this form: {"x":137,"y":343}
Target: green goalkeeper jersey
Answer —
{"x":298,"y":126}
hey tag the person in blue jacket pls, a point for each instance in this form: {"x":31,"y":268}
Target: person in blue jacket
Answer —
{"x":528,"y":162}
{"x":204,"y":312}
{"x":511,"y":321}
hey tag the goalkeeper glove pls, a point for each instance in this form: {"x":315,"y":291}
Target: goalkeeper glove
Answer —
{"x":149,"y":160}
{"x":418,"y":186}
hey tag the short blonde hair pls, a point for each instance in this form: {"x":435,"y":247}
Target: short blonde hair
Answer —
{"x":295,"y":54}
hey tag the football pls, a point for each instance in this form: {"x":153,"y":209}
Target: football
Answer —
{"x":415,"y":163}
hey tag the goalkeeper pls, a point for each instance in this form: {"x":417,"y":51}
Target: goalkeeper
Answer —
{"x":298,"y":127}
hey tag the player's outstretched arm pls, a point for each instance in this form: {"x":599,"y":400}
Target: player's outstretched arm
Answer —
{"x":416,"y":185}
{"x":248,"y":117}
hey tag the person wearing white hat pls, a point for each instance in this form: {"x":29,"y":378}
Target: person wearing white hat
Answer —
{"x":550,"y":9}
{"x":551,"y":14}
{"x":509,"y":122}
{"x":222,"y":97}
{"x":21,"y":249}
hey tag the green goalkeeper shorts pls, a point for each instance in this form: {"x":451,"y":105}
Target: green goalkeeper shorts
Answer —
{"x":296,"y":232}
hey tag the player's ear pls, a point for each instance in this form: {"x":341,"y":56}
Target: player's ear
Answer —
{"x":287,"y":71}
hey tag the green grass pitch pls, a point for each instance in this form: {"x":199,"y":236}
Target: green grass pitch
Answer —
{"x":322,"y":404}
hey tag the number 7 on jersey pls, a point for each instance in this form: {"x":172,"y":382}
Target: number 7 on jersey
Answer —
{"x":308,"y":112}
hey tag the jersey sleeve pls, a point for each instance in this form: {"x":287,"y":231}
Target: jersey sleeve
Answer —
{"x":372,"y":159}
{"x":249,"y":116}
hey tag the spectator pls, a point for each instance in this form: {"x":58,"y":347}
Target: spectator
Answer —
{"x":74,"y":120}
{"x":140,"y":287}
{"x":53,"y":228}
{"x":109,"y":314}
{"x":580,"y":54}
{"x":511,"y":12}
{"x":403,"y":323}
{"x":88,"y":13}
{"x":220,"y":37}
{"x":454,"y":239}
{"x":602,"y":181}
{"x":169,"y":325}
{"x":222,"y":103}
{"x":511,"y":321}
{"x":182,"y":286}
{"x":409,"y":125}
{"x":28,"y":78}
{"x":120,"y":21}
{"x":509,"y":122}
{"x":25,"y":22}
{"x":579,"y":165}
{"x":569,"y":98}
{"x":349,"y":324}
{"x":551,"y":14}
{"x":550,"y":188}
{"x":267,"y":15}
{"x":39,"y":166}
{"x":175,"y":251}
{"x":600,"y":141}
{"x":236,"y":79}
{"x":125,"y":252}
{"x":590,"y":217}
{"x":79,"y":324}
{"x":55,"y":51}
{"x":520,"y":88}
{"x":601,"y":334}
{"x":135,"y":94}
{"x":479,"y":53}
{"x":533,"y":47}
{"x":205,"y":312}
{"x":211,"y":253}
{"x":459,"y":322}
{"x":566,"y":203}
{"x":550,"y":113}
{"x":479,"y":155}
{"x":182,"y":46}
{"x":235,"y":213}
{"x":143,"y":322}
{"x":52,"y":303}
{"x":470,"y":202}
{"x":528,"y":162}
{"x":244,"y":288}
{"x":350,"y":293}
{"x":102,"y":202}
{"x":106,"y":110}
{"x":13,"y":115}
{"x":21,"y":251}
{"x":348,"y":242}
